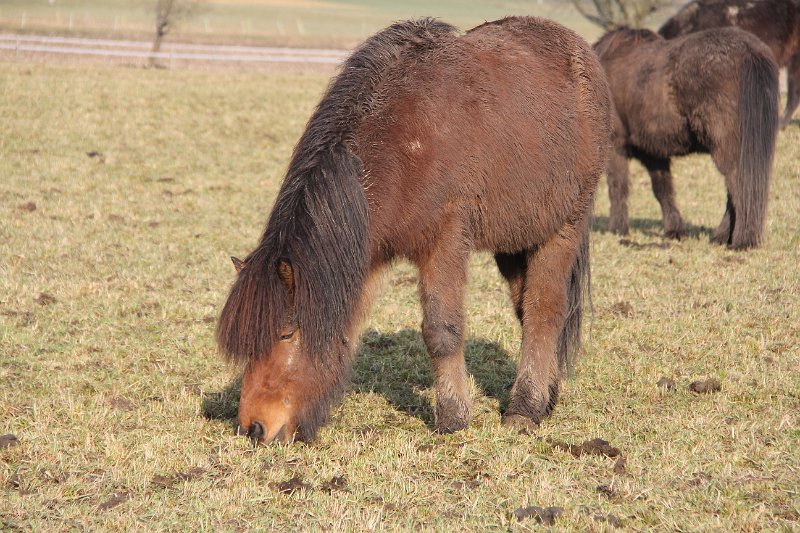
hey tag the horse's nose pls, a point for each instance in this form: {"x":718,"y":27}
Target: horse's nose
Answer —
{"x":256,"y":432}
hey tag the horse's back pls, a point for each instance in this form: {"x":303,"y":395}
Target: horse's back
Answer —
{"x":719,"y":54}
{"x":665,"y":106}
{"x":500,"y":129}
{"x":650,"y":117}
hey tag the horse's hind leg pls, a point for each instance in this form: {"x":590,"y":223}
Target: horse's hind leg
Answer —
{"x":793,"y":89}
{"x":544,"y":310}
{"x":725,"y":157}
{"x":617,"y":177}
{"x":513,"y":267}
{"x":443,"y":276}
{"x":722,"y":235}
{"x":661,"y":180}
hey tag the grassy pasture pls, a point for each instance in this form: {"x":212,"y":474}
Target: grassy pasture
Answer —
{"x":337,"y":23}
{"x":122,"y":194}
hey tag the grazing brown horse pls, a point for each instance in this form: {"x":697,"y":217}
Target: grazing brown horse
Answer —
{"x":776,"y":22}
{"x":714,"y":91}
{"x":426,"y":146}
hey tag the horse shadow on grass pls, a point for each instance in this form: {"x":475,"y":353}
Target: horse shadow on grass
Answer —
{"x":223,"y":405}
{"x":652,"y":228}
{"x":397,"y":367}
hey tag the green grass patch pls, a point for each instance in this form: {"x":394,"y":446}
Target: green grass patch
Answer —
{"x":122,"y":194}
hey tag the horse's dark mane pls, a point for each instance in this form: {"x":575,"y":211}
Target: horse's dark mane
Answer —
{"x":319,"y":223}
{"x":611,"y":41}
{"x":506,"y":21}
{"x":358,"y":89}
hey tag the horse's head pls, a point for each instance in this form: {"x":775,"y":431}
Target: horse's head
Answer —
{"x":273,"y":391}
{"x":286,"y":388}
{"x":295,"y":301}
{"x":621,"y":40}
{"x":270,"y":398}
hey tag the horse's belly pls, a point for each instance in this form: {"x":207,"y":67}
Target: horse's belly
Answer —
{"x":523,"y":221}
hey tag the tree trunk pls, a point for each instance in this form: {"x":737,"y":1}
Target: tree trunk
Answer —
{"x":160,"y":32}
{"x":165,"y":12}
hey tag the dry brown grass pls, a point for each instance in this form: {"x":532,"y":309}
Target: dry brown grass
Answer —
{"x":124,"y":191}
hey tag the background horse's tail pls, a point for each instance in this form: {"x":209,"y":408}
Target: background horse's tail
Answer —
{"x":758,"y":127}
{"x":569,"y":342}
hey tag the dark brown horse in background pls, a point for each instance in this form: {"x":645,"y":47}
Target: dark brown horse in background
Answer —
{"x":426,"y":146}
{"x":776,"y":22}
{"x":714,"y":91}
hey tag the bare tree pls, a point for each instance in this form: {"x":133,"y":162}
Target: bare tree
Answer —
{"x":168,"y":14}
{"x":609,"y":14}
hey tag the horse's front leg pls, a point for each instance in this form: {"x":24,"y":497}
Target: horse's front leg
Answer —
{"x":443,"y":276}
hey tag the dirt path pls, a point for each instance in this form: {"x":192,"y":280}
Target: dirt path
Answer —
{"x":171,"y":54}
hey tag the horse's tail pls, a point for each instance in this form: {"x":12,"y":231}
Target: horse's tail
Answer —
{"x":579,"y":287}
{"x":758,"y":127}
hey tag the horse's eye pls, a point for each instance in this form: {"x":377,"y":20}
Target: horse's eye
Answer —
{"x":287,"y":336}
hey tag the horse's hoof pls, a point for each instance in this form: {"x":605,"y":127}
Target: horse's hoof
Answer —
{"x":450,"y":425}
{"x":675,"y":234}
{"x":719,"y":239}
{"x":451,"y":415}
{"x":741,"y":246}
{"x":617,"y":230}
{"x":523,"y":424}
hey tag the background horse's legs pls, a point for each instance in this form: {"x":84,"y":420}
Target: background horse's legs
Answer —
{"x":661,"y":180}
{"x":726,"y":161}
{"x":722,"y":234}
{"x":793,"y":89}
{"x":617,"y":177}
{"x":544,"y":303}
{"x":443,"y":277}
{"x":513,"y":267}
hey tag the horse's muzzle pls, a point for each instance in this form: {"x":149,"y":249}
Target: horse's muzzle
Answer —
{"x":258,"y":435}
{"x":255,"y":432}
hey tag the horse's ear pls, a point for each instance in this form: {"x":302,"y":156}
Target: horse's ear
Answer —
{"x":238,"y":264}
{"x":286,"y":274}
